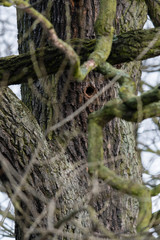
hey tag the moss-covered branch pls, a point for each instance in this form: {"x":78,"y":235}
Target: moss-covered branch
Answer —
{"x":103,"y":29}
{"x":48,"y":27}
{"x":96,"y":167}
{"x":127,"y":88}
{"x":104,"y":32}
{"x":129,"y":110}
{"x":155,"y":219}
{"x":125,"y":48}
{"x":139,"y":191}
{"x":149,"y":105}
{"x":155,"y":190}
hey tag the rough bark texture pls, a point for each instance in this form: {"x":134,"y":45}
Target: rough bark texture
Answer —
{"x":153,"y":11}
{"x":25,"y":160}
{"x":53,"y":98}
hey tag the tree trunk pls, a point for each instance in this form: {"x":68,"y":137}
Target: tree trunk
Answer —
{"x":51,"y":99}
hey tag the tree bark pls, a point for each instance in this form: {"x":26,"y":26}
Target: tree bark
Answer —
{"x":62,"y":176}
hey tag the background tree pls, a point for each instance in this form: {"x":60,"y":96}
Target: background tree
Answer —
{"x":45,"y":172}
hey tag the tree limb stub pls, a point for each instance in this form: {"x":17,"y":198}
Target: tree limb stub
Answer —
{"x":125,"y":48}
